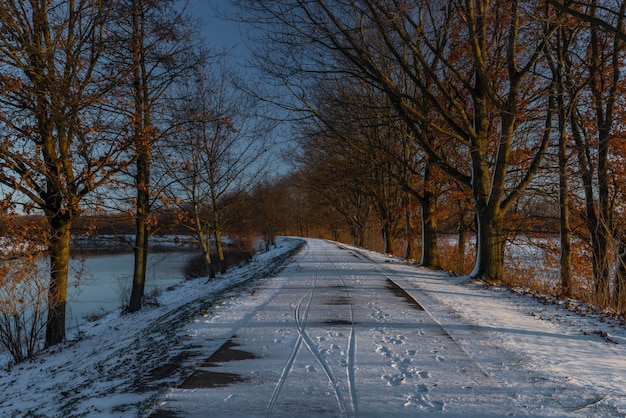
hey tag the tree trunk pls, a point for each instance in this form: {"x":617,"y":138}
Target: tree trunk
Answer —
{"x":565,"y":228}
{"x":141,"y":244}
{"x":408,"y":248}
{"x":606,"y":96}
{"x":601,"y":267}
{"x":203,"y":237}
{"x":221,"y":260}
{"x":387,"y":239}
{"x":619,"y":285}
{"x":141,"y":127}
{"x":564,"y":221}
{"x":490,"y":251}
{"x":460,"y":247}
{"x":430,"y":251}
{"x":206,"y":254}
{"x":559,"y":69}
{"x":358,"y":234}
{"x":59,"y":267}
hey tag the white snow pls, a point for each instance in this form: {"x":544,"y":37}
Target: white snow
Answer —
{"x":332,"y":335}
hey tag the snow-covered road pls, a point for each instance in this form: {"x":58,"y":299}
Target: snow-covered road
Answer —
{"x":340,"y":334}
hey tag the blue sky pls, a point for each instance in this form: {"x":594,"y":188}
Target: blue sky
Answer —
{"x":220,"y":33}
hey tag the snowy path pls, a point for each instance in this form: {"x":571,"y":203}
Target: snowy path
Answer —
{"x":342,"y":335}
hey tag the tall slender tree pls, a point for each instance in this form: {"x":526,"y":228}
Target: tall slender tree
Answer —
{"x":153,"y":45}
{"x":596,"y":96}
{"x":567,"y":88}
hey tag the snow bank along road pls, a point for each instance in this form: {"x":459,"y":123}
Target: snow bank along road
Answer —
{"x":341,"y":334}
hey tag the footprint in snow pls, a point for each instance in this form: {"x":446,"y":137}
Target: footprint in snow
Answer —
{"x":437,"y":356}
{"x":422,"y":402}
{"x":393,"y":380}
{"x":398,"y":339}
{"x":384,"y":351}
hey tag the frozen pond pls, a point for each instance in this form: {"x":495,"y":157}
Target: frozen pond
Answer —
{"x":100,"y":283}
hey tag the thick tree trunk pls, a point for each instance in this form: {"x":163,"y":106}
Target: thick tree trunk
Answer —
{"x":59,"y":267}
{"x":358,"y":235}
{"x":139,"y":269}
{"x":490,"y":250}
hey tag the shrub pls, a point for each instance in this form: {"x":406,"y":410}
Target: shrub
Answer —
{"x":23,"y":285}
{"x":195,"y":266}
{"x":23,"y":307}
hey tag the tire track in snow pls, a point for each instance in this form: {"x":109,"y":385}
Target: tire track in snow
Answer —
{"x":301,"y":326}
{"x":294,"y":352}
{"x":289,"y":365}
{"x":351,"y":354}
{"x":300,"y":318}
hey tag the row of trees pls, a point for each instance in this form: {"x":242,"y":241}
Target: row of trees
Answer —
{"x":115,"y":105}
{"x":469,"y":104}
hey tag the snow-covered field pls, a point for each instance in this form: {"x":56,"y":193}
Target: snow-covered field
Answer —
{"x":339,"y":332}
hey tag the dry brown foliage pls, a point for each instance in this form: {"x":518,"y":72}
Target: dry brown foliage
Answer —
{"x":24,"y":284}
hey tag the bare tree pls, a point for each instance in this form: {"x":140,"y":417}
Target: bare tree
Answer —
{"x":55,"y":148}
{"x":219,"y":147}
{"x":152,"y":49}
